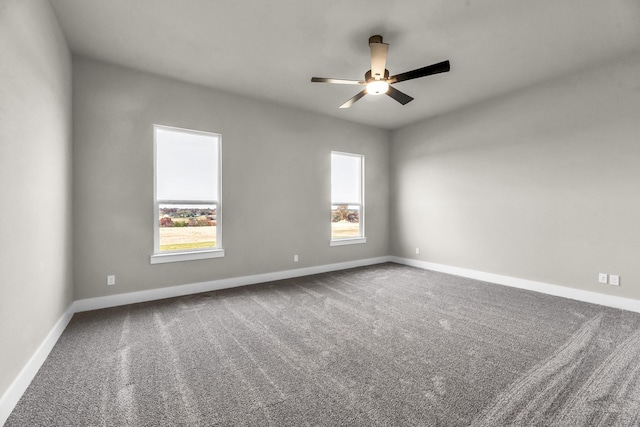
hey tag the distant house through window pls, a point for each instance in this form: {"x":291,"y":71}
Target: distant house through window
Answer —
{"x":347,"y":198}
{"x":186,"y":195}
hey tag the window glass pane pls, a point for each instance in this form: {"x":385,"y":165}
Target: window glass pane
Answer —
{"x":345,"y":221}
{"x":186,"y":165}
{"x":186,"y":227}
{"x":346,"y":178}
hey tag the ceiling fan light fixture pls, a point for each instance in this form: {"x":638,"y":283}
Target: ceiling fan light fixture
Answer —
{"x":377,"y":87}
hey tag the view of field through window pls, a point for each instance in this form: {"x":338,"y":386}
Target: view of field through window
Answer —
{"x":346,"y":196}
{"x":185,"y":227}
{"x":345,"y":221}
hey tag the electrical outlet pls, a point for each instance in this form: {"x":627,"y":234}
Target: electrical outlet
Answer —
{"x":295,"y":258}
{"x":111,"y":280}
{"x":417,"y":251}
{"x":602,"y":278}
{"x":614,"y":280}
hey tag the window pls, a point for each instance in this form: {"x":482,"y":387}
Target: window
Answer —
{"x":187,"y":190}
{"x":347,"y":199}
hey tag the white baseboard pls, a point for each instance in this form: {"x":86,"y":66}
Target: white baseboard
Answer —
{"x":545,"y":288}
{"x":24,"y":378}
{"x":214,"y":285}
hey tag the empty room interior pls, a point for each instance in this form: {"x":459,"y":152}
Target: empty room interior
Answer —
{"x":320,"y":213}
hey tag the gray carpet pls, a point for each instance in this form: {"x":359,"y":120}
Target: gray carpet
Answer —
{"x":383,"y":345}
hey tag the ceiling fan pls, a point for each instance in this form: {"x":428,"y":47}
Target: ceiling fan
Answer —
{"x":377,"y":80}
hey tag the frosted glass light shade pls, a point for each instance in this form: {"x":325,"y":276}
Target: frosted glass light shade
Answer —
{"x":377,"y":87}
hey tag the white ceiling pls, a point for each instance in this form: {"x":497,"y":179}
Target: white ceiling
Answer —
{"x":271,"y":49}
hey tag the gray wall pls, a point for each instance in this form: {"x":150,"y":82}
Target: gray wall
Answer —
{"x":35,"y":172}
{"x":543,"y":184}
{"x":276,"y":181}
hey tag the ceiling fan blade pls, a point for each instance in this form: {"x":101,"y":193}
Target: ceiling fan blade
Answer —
{"x":379,"y":52}
{"x":352,"y":101}
{"x":336,"y":81}
{"x":440,"y":67}
{"x":401,"y":97}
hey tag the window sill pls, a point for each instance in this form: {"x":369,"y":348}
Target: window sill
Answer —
{"x":186,"y":256}
{"x":342,"y":242}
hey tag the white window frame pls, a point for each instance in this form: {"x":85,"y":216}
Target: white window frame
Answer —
{"x":160,"y":257}
{"x":360,"y":239}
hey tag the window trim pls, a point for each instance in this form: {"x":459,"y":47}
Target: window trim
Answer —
{"x":160,"y":257}
{"x":361,"y":215}
{"x":348,"y":241}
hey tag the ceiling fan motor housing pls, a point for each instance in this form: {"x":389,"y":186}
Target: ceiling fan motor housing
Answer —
{"x":369,"y":78}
